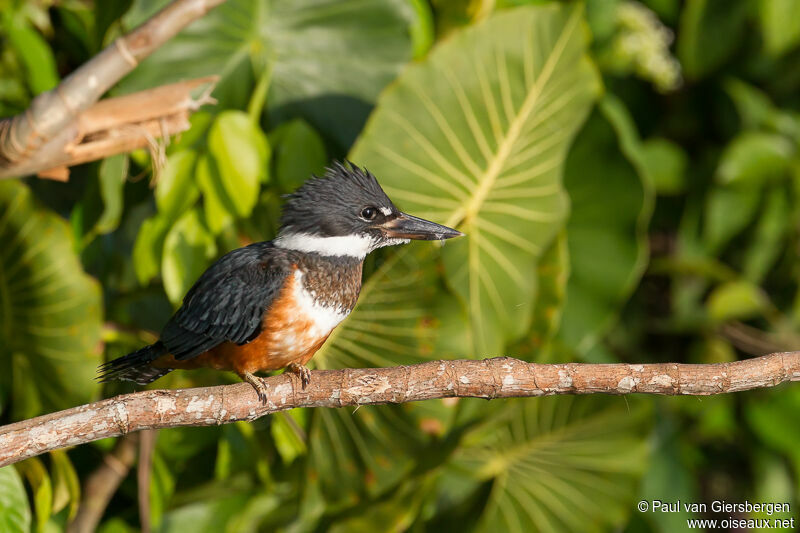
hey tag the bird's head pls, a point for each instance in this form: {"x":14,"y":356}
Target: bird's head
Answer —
{"x":346,"y":213}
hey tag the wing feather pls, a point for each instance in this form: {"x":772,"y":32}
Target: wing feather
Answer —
{"x":228,"y":302}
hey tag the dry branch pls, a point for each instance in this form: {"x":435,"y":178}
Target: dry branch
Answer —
{"x":501,"y":377}
{"x":37,"y":139}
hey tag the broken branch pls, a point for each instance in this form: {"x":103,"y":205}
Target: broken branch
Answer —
{"x":35,"y":140}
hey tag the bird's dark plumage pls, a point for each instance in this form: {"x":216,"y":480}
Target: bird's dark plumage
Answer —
{"x":227,"y":303}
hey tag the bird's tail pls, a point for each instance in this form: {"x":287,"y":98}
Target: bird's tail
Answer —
{"x":135,"y":366}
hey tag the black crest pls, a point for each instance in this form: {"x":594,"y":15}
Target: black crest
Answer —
{"x":330,"y":205}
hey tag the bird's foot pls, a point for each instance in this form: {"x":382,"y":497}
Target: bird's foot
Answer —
{"x":258,"y":384}
{"x":301,"y":371}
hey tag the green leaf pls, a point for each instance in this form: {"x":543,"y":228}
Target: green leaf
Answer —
{"x":475,"y":136}
{"x":148,"y":248}
{"x":755,"y":157}
{"x":297,"y":153}
{"x":241,"y":153}
{"x":765,"y":414}
{"x":112,"y":175}
{"x":768,"y":242}
{"x":729,"y":210}
{"x":422,"y":30}
{"x":552,"y":273}
{"x":50,"y":310}
{"x":188,"y":249}
{"x":780,"y":24}
{"x":326,"y":66}
{"x":558,"y":464}
{"x":162,"y":488}
{"x":666,"y":164}
{"x":607,"y":228}
{"x":709,"y":33}
{"x":395,"y":514}
{"x":15,"y":513}
{"x":66,"y":486}
{"x":289,"y":440}
{"x":35,"y":54}
{"x":361,"y":454}
{"x":218,"y":207}
{"x":240,"y":450}
{"x":176,"y":190}
{"x":736,"y":300}
{"x":36,"y":474}
{"x":210,"y":515}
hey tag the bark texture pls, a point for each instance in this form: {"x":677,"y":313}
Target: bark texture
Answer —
{"x":501,"y":377}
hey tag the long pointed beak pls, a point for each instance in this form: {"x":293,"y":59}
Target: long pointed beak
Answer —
{"x":410,"y":227}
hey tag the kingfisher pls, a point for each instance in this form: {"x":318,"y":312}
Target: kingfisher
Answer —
{"x":273,"y":304}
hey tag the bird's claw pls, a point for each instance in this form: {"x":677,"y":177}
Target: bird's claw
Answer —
{"x":258,"y":384}
{"x":302,"y":372}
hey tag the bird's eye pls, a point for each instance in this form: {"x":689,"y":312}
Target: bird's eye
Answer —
{"x":368,"y":213}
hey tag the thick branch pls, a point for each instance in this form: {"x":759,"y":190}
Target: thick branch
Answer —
{"x":29,"y":142}
{"x":501,"y":377}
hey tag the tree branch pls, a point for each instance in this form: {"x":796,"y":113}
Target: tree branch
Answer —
{"x":36,"y":139}
{"x":501,"y":377}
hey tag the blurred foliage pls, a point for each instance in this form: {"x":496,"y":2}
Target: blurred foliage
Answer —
{"x":628,"y":176}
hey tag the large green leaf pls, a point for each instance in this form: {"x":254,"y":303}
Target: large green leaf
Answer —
{"x":607,"y":229}
{"x":329,"y":58}
{"x":558,"y":464}
{"x":15,"y":512}
{"x":50,"y":310}
{"x":475,"y":137}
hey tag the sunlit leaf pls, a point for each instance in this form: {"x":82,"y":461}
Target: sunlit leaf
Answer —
{"x":218,"y":208}
{"x":288,"y":435}
{"x":736,"y":300}
{"x":329,"y":58}
{"x":34,"y":471}
{"x":15,"y":513}
{"x":50,"y":310}
{"x":188,"y":248}
{"x":35,"y":53}
{"x":66,"y":486}
{"x":666,"y":164}
{"x":112,"y":175}
{"x":241,"y":153}
{"x":475,"y":137}
{"x":148,"y":248}
{"x":755,"y":157}
{"x":558,"y":464}
{"x":780,"y":24}
{"x":176,"y":190}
